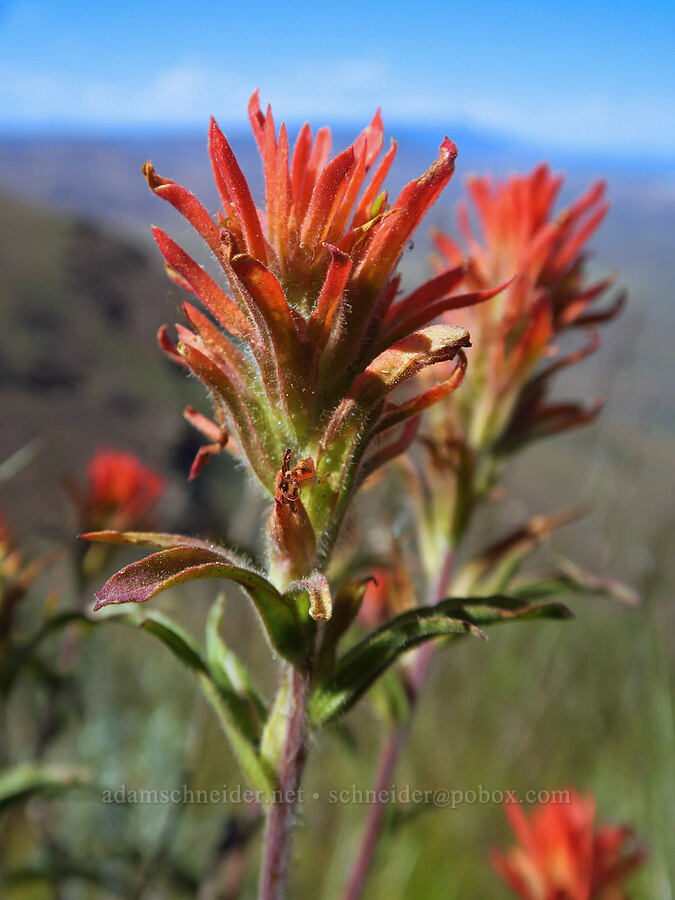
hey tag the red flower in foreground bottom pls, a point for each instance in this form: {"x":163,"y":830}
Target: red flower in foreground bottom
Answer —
{"x":560,"y":856}
{"x":121,"y":490}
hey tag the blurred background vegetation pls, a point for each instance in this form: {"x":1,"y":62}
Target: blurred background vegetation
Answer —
{"x":586,"y":703}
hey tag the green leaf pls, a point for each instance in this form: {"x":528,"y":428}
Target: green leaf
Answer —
{"x":23,"y":781}
{"x":390,"y":697}
{"x":17,"y":462}
{"x":184,"y":648}
{"x":276,"y":726}
{"x":259,"y":774}
{"x":498,"y":608}
{"x":367,"y":660}
{"x":177,"y":639}
{"x":140,"y":581}
{"x":232,"y":677}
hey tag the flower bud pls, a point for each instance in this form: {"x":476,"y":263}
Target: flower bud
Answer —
{"x":292,"y":541}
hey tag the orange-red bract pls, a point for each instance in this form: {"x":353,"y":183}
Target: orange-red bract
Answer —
{"x":519,"y":235}
{"x":562,"y":855}
{"x":306,"y":312}
{"x":121,"y":491}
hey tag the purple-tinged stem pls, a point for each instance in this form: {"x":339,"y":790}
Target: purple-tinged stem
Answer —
{"x":281,"y":812}
{"x":389,"y":757}
{"x":390,"y":754}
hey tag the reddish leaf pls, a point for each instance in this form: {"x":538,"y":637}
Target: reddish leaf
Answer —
{"x":435,"y":289}
{"x":299,"y":168}
{"x":233,"y":361}
{"x":326,"y":198}
{"x":431,"y":345}
{"x":316,"y":163}
{"x":237,"y":189}
{"x":406,"y":214}
{"x":332,"y":292}
{"x":384,"y":454}
{"x":243,"y":407}
{"x":168,"y":347}
{"x":157,"y":539}
{"x":405,"y":326}
{"x":186,"y":204}
{"x":144,"y":579}
{"x":362,"y":213}
{"x":203,"y":286}
{"x":394,"y":414}
{"x":268,"y":296}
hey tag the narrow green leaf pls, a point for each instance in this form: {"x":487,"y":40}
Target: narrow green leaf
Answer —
{"x":259,"y":775}
{"x":17,"y":462}
{"x":232,"y":677}
{"x":184,"y":648}
{"x":482,"y":611}
{"x":367,"y":660}
{"x":390,"y":698}
{"x":276,"y":726}
{"x":177,"y":639}
{"x":345,"y":609}
{"x":23,"y":781}
{"x":492,"y":571}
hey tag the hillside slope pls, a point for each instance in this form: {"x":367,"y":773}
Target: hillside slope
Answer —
{"x":79,"y":365}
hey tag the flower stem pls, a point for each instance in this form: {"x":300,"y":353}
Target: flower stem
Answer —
{"x":389,"y":757}
{"x":281,"y":811}
{"x":391,"y":751}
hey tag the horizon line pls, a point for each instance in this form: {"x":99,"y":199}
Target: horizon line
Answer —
{"x":79,"y":130}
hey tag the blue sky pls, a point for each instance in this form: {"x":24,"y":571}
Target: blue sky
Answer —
{"x":588,"y":75}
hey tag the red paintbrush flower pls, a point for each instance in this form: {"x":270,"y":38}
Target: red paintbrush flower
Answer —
{"x":562,"y":856}
{"x":304,"y":338}
{"x":551,"y":293}
{"x":301,"y":341}
{"x":121,"y":491}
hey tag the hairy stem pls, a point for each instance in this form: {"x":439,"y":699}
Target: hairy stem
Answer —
{"x":281,"y":811}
